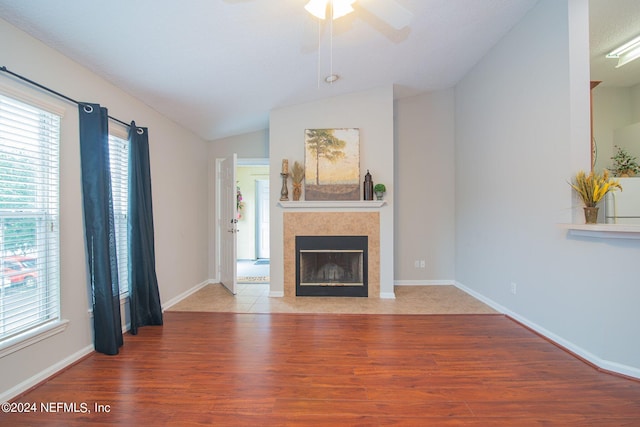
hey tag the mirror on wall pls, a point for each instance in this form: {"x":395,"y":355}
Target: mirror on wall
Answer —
{"x":615,"y":93}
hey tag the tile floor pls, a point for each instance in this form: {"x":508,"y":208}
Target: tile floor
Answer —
{"x":254,"y":298}
{"x":250,"y":272}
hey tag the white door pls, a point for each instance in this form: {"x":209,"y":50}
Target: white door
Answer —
{"x":227,"y":222}
{"x":262,"y":223}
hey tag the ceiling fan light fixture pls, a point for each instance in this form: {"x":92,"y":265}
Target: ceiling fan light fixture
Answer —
{"x":342,"y":8}
{"x":339,"y":8}
{"x":317,"y":8}
{"x":627,"y":52}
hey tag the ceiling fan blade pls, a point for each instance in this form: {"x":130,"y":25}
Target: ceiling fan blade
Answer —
{"x":388,"y":11}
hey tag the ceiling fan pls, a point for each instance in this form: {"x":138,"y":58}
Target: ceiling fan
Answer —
{"x":388,"y":11}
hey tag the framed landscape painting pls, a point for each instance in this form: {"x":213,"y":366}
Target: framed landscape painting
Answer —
{"x":332,"y":164}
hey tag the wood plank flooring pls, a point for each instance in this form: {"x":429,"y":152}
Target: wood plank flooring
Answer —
{"x":229,"y":369}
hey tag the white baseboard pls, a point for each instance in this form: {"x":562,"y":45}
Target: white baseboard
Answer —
{"x":424,"y":282}
{"x":173,"y":301}
{"x":43,"y":375}
{"x":603,"y":364}
{"x":276,"y":294}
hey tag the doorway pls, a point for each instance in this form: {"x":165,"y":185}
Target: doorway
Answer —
{"x":252,"y":177}
{"x":262,"y":219}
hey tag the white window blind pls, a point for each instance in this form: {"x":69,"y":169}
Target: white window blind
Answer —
{"x":29,"y":205}
{"x":119,"y":165}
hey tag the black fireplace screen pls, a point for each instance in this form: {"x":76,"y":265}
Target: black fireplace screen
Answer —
{"x":331,"y":266}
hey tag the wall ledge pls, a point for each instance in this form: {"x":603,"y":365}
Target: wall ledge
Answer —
{"x":604,"y":231}
{"x":332,"y":204}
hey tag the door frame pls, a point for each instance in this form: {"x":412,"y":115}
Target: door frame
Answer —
{"x":259,"y":242}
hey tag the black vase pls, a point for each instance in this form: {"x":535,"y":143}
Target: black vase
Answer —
{"x":368,"y":186}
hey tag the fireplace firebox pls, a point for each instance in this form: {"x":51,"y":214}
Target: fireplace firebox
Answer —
{"x":332,"y":266}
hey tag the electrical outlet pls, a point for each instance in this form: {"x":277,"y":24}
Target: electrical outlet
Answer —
{"x":422,"y":263}
{"x":416,"y":264}
{"x":514,"y":288}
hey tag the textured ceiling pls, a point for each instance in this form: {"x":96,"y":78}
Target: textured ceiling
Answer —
{"x":612,"y":23}
{"x":219,"y":66}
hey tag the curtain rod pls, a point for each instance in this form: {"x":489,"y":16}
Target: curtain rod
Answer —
{"x":65,"y":97}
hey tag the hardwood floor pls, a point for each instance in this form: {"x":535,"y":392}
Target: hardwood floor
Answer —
{"x":232,"y":369}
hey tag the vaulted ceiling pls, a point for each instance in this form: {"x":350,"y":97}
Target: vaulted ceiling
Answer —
{"x":219,"y":66}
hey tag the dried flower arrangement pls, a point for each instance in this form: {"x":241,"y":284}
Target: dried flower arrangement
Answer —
{"x":297,"y":173}
{"x":593,"y":187}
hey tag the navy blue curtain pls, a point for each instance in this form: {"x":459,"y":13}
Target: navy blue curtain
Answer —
{"x":99,"y":227}
{"x":144,"y":297}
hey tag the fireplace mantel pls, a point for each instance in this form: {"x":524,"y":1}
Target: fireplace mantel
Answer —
{"x":332,"y":204}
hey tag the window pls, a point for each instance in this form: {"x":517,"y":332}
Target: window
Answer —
{"x":29,"y":204}
{"x":119,"y":165}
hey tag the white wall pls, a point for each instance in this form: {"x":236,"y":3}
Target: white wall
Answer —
{"x":371,"y":112}
{"x":424,"y":206}
{"x":519,"y":122}
{"x":635,"y":101}
{"x":252,"y":145}
{"x":612,"y":109}
{"x":179,"y":184}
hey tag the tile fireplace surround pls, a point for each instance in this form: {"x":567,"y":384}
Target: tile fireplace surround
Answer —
{"x":331,"y":224}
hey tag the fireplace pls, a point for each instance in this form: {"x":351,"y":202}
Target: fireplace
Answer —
{"x":331,"y":224}
{"x":332,"y":266}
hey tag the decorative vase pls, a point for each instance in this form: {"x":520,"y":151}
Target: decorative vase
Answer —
{"x":379,"y":195}
{"x":591,"y":214}
{"x":368,"y":187}
{"x":297,"y":191}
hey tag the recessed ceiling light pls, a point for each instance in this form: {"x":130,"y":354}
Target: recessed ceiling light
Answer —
{"x":332,"y":78}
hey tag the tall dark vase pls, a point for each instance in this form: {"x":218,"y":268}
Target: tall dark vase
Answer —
{"x":368,"y":187}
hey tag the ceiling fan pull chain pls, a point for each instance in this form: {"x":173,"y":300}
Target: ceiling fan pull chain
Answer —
{"x":319,"y":56}
{"x":331,"y":43}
